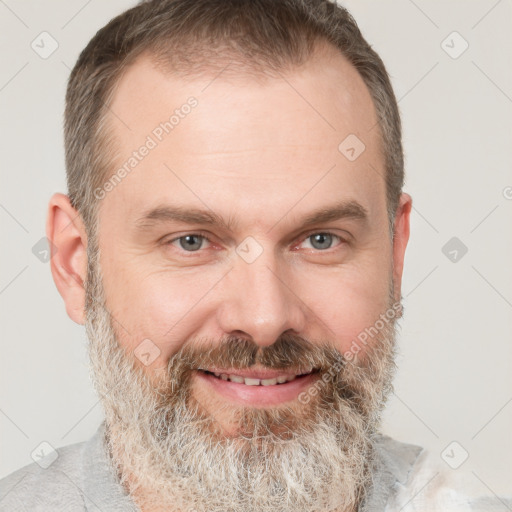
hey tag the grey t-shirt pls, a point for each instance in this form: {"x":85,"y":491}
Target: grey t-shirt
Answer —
{"x":406,"y":478}
{"x":78,"y":480}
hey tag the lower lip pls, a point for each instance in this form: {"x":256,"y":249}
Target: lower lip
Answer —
{"x":259,"y":395}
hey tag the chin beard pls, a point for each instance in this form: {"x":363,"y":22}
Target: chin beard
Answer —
{"x":171,"y":454}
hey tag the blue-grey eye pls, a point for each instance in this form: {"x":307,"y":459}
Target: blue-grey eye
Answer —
{"x":321,"y":240}
{"x":191,"y":242}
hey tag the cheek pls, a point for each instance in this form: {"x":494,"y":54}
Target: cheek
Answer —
{"x":163,"y":307}
{"x":347,"y":303}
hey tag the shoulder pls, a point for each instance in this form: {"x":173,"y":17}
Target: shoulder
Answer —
{"x":432,"y":485}
{"x":53,"y":483}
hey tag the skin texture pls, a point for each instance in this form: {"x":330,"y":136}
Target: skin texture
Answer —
{"x":262,"y":155}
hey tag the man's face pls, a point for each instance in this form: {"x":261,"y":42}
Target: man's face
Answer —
{"x":263,"y":157}
{"x":263,"y":293}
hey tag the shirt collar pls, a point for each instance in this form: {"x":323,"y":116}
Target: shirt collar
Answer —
{"x":392,"y":465}
{"x":101,"y":488}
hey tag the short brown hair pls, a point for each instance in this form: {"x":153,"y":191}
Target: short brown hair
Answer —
{"x":197,"y":35}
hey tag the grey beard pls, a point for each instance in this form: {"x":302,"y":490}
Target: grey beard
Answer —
{"x":170,"y":454}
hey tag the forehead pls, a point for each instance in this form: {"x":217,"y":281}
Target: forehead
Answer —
{"x":230,"y":138}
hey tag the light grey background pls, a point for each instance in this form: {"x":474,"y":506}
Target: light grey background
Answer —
{"x":455,"y":365}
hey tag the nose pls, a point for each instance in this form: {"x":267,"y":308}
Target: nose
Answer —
{"x":258,"y":302}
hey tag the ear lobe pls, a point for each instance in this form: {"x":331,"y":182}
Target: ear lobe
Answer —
{"x":68,"y":262}
{"x":400,"y":239}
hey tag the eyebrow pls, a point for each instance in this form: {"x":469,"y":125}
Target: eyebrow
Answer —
{"x":162,"y":214}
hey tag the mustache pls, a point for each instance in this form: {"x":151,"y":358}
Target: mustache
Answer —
{"x":344,"y":382}
{"x":290,"y":352}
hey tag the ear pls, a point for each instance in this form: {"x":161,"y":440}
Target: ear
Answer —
{"x":400,"y":239}
{"x":67,"y":234}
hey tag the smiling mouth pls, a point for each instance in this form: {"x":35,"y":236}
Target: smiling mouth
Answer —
{"x":253,"y":381}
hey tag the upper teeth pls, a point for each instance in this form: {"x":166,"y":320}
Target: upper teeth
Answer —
{"x":255,"y":382}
